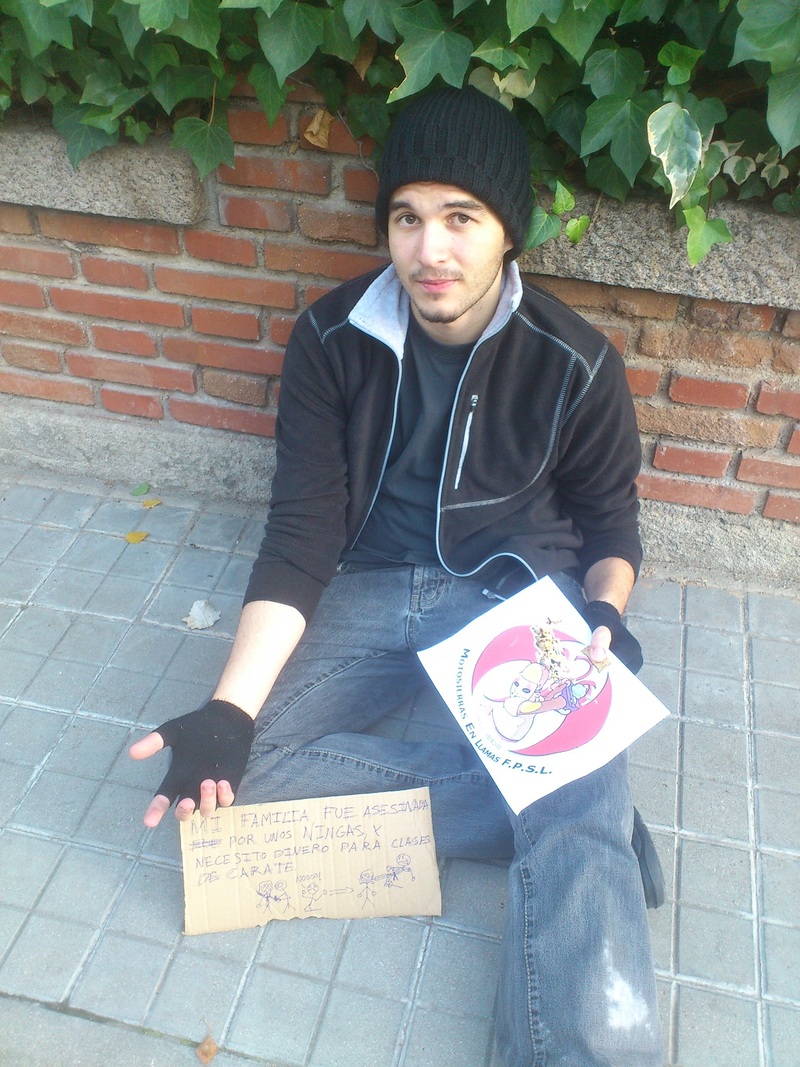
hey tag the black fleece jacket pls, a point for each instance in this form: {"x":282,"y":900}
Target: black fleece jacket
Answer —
{"x":542,"y":450}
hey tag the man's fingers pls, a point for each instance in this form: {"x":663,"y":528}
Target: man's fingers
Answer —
{"x":224,"y":794}
{"x":154,"y":814}
{"x":599,"y":645}
{"x":148,"y":746}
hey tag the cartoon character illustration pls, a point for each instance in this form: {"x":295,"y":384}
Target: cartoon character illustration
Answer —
{"x":536,"y":704}
{"x":312,"y":891}
{"x":281,"y":896}
{"x":366,"y":878}
{"x":264,"y":890}
{"x":393,"y":873}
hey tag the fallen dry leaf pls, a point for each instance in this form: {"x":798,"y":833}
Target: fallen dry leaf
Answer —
{"x":135,"y":537}
{"x":366,"y":54}
{"x":202,"y":615}
{"x":319,"y":129}
{"x":207,"y":1049}
{"x":150,"y":503}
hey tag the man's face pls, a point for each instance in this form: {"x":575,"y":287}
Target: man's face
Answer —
{"x":447,"y":247}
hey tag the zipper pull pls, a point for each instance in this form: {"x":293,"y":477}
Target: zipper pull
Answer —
{"x":473,"y":401}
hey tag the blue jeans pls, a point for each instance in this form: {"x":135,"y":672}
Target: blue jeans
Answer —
{"x":577,"y":987}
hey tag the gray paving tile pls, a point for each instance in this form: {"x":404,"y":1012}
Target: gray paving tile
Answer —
{"x":780,"y":877}
{"x":283,"y":1036}
{"x":10,"y":533}
{"x":717,"y":948}
{"x":42,"y":545}
{"x":380,"y":956}
{"x":775,"y":707}
{"x":120,"y":979}
{"x":119,"y":693}
{"x":654,"y":794}
{"x":660,"y":923}
{"x":660,"y":641}
{"x":14,"y":780}
{"x":714,"y":608}
{"x":172,"y":697}
{"x":68,"y":589}
{"x":61,"y":684}
{"x":715,"y":809}
{"x":775,"y":661}
{"x":119,"y":516}
{"x":450,"y":967}
{"x":235,"y":576}
{"x":716,"y":1030}
{"x":715,"y":752}
{"x":199,"y":659}
{"x":781,"y":975}
{"x":84,"y":885}
{"x":23,"y":502}
{"x":663,"y":682}
{"x":88,"y":746}
{"x":90,"y":639}
{"x":56,"y":803}
{"x":777,"y":762}
{"x":69,"y":509}
{"x":774,"y":616}
{"x":27,"y":735}
{"x":311,"y":949}
{"x":656,"y":599}
{"x":121,"y":598}
{"x":151,"y":905}
{"x":36,"y":629}
{"x":196,"y":996}
{"x":114,"y":818}
{"x":149,"y":561}
{"x":7,"y":613}
{"x":146,"y":648}
{"x":250,"y":541}
{"x":658,"y":747}
{"x":19,"y":580}
{"x":783,"y":1031}
{"x":218,"y":530}
{"x":239,"y":945}
{"x":95,"y":552}
{"x":172,"y":604}
{"x":715,"y":697}
{"x":357,"y":1031}
{"x":436,"y":1039}
{"x":474,"y":896}
{"x":778,"y":819}
{"x":715,"y":876}
{"x":11,"y":922}
{"x":714,"y":651}
{"x":45,"y":958}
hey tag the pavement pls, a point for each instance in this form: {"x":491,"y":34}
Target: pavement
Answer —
{"x":94,"y":967}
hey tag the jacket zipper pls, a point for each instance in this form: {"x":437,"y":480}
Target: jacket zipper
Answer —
{"x":473,"y":403}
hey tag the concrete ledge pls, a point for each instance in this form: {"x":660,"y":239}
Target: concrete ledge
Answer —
{"x":637,"y":246}
{"x":152,"y":181}
{"x":695,"y":544}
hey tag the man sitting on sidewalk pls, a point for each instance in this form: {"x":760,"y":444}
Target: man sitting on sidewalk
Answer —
{"x":446,"y":432}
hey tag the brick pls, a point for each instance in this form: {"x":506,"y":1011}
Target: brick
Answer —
{"x":126,"y":342}
{"x":786,"y":357}
{"x":307,"y":260}
{"x":15,"y":219}
{"x":280,"y":328}
{"x":243,"y":325}
{"x":248,"y":126}
{"x":642,"y":382}
{"x":314,"y":292}
{"x":129,"y":372}
{"x":105,"y":306}
{"x":219,"y":417}
{"x":718,"y":315}
{"x":781,"y":506}
{"x":22,"y":294}
{"x":794,"y":444}
{"x":324,"y":224}
{"x":672,"y":344}
{"x":697,"y":461}
{"x":772,"y":400}
{"x":361,"y":184}
{"x":340,"y":140}
{"x":229,"y":287}
{"x":118,"y":233}
{"x":43,"y":261}
{"x":238,"y":388}
{"x":243,"y":86}
{"x":255,"y":360}
{"x":42,"y":328}
{"x":39,"y":358}
{"x":287,"y":173}
{"x":712,"y":427}
{"x":123,"y":403}
{"x":697,"y":494}
{"x":302,"y":91}
{"x":615,"y":335}
{"x":709,"y":393}
{"x":258,"y":214}
{"x":46,"y":388}
{"x":221,"y":248}
{"x":644,"y":303}
{"x":100,"y":270}
{"x":791,"y":328}
{"x":781,"y":475}
{"x":576,"y":293}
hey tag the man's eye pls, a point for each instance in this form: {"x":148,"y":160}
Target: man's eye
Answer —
{"x":462,"y":220}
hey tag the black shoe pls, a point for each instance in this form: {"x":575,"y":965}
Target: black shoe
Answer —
{"x":649,"y":863}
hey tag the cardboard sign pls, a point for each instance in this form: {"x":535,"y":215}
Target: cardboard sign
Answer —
{"x":538,"y":712}
{"x":339,"y":857}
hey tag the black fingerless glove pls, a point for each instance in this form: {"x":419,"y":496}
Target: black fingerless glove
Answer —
{"x":212,"y":742}
{"x":623,"y":644}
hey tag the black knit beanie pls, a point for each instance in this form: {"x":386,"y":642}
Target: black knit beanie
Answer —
{"x":461,"y":137}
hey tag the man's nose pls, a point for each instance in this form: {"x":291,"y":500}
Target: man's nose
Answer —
{"x":433,"y":247}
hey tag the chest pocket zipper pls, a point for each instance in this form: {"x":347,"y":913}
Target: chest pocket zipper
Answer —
{"x":473,"y":403}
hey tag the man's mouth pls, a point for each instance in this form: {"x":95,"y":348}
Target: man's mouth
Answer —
{"x":435,"y":285}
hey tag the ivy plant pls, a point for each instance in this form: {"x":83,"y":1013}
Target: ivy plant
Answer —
{"x":688,"y":101}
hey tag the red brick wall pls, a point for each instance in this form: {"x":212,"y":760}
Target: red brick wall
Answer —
{"x":189,"y":323}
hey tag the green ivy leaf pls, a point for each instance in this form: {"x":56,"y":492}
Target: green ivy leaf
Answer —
{"x":336,"y":37}
{"x":568,"y":119}
{"x":378,"y":13}
{"x":675,"y":139}
{"x":160,"y":14}
{"x":429,"y":48}
{"x":187,"y":82}
{"x":576,"y":30}
{"x":680,"y":59}
{"x":783,"y":107}
{"x":622,"y":123}
{"x":769,"y":32}
{"x":6,"y":68}
{"x":82,"y":140}
{"x":522,"y":14}
{"x":155,"y":55}
{"x":270,"y":95}
{"x":614,"y":71}
{"x":639,"y":10}
{"x":137,"y":131}
{"x":544,"y":227}
{"x":42,"y":26}
{"x":200,"y":26}
{"x":704,"y":233}
{"x":368,"y":114}
{"x":787,"y":203}
{"x":290,"y":37}
{"x":129,"y":23}
{"x":32,"y":84}
{"x":576,"y":228}
{"x":497,"y":55}
{"x":209,"y":144}
{"x":563,"y":200}
{"x":269,"y":7}
{"x":603,"y":173}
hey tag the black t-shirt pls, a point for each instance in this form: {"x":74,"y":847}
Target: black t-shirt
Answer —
{"x":401,"y":527}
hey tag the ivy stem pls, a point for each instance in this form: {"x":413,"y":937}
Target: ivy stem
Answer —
{"x":213,"y":103}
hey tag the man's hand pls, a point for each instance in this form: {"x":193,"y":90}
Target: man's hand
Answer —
{"x":210,"y":749}
{"x":609,"y":631}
